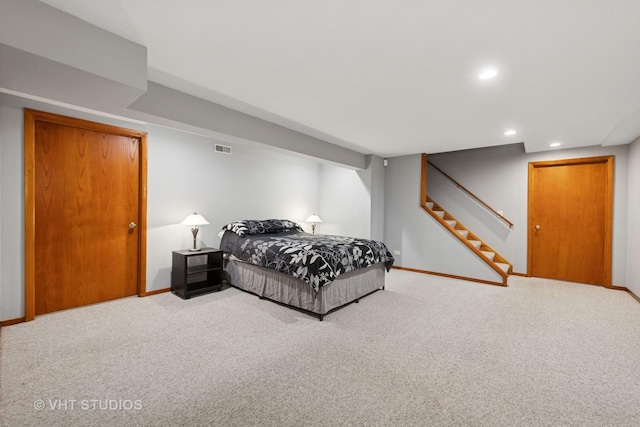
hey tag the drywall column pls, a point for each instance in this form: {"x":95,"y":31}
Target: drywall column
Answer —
{"x":376,"y":172}
{"x":1,"y":224}
{"x":11,"y":213}
{"x":633,"y":227}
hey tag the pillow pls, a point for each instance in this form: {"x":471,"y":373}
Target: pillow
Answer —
{"x":252,"y":226}
{"x":238,"y":227}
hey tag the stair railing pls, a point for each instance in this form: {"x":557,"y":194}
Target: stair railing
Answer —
{"x":473,"y":196}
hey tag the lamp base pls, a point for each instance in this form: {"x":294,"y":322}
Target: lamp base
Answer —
{"x":194,"y":231}
{"x":194,"y":250}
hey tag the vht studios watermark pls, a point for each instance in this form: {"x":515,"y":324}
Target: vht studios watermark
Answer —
{"x":88,"y":404}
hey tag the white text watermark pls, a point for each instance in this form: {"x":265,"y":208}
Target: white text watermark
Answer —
{"x":88,"y":405}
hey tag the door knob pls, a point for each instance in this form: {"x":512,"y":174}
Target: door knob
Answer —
{"x":132,"y":224}
{"x":537,"y":227}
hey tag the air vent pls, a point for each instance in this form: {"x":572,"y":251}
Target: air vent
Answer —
{"x":224,"y":149}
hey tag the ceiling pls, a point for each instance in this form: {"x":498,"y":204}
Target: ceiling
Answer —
{"x":395,"y":77}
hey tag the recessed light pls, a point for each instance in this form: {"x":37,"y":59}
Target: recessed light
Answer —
{"x":510,"y":132}
{"x":555,"y":144}
{"x":489,"y":73}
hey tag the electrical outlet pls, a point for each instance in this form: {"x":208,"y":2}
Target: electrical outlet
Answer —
{"x":396,"y":252}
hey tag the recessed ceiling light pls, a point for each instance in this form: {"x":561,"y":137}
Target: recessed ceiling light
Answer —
{"x":555,"y":144}
{"x":510,"y":132}
{"x":489,"y":73}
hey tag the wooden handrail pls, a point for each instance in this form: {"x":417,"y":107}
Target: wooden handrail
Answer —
{"x":462,"y":187}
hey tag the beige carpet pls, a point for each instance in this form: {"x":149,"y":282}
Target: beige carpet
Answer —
{"x":426,"y":351}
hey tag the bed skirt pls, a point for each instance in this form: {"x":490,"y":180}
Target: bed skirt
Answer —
{"x":279,"y":287}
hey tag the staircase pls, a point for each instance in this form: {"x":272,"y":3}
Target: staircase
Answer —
{"x":459,"y":231}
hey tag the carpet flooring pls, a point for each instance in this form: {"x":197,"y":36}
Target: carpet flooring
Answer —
{"x":425,"y":351}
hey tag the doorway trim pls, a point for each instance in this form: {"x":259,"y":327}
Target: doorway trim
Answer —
{"x":608,"y":215}
{"x":30,"y":119}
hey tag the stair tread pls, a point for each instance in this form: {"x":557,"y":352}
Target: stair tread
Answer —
{"x":504,"y":267}
{"x":476,"y":243}
{"x":489,"y":254}
{"x":465,"y":233}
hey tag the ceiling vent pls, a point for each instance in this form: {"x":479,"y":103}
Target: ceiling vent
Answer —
{"x":224,"y":149}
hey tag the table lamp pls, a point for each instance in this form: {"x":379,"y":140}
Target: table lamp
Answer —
{"x":194,"y":220}
{"x":313,"y":219}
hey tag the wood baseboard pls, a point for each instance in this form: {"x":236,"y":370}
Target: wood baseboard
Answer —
{"x":450,"y":276}
{"x":623,"y":288}
{"x":514,"y":273}
{"x":156,"y":292}
{"x":415,"y":270}
{"x":12,"y":321}
{"x":23,"y":319}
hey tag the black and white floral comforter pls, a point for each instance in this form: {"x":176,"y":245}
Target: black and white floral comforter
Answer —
{"x":317,"y":259}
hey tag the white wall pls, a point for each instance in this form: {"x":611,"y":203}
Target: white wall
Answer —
{"x":499,"y":176}
{"x":345,"y":202}
{"x":185,"y":174}
{"x":352,"y":201}
{"x":423,"y":243}
{"x":633,"y":228}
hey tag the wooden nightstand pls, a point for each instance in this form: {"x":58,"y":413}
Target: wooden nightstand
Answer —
{"x":196,"y":272}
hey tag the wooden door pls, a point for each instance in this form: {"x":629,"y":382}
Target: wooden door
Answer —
{"x":570,"y":220}
{"x":85,"y":216}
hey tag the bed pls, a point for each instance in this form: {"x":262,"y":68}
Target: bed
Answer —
{"x":275,"y":259}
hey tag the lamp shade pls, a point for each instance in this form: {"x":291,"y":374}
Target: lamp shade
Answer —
{"x":313,"y":218}
{"x":195,"y":219}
